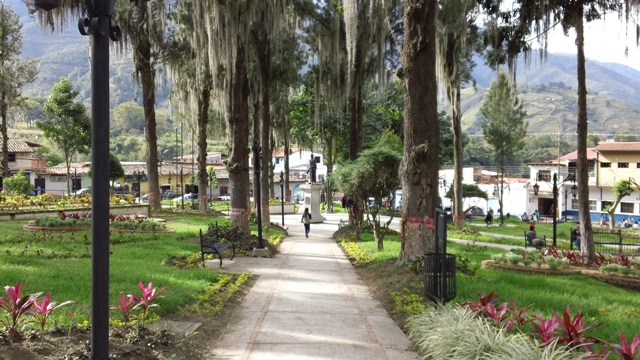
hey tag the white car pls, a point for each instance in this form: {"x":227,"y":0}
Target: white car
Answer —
{"x":82,"y":191}
{"x":188,"y":198}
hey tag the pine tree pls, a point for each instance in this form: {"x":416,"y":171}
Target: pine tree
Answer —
{"x":504,"y":127}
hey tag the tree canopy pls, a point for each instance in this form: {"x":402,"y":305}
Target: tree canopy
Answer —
{"x":67,"y":123}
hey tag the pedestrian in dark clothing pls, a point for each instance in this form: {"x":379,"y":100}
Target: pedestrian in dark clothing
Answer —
{"x":306,"y":220}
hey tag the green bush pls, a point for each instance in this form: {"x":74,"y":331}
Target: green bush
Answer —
{"x":17,"y":184}
{"x":452,"y":332}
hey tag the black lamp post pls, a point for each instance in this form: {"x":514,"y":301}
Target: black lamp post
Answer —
{"x":329,"y":196}
{"x":257,"y":149}
{"x":139,"y":175}
{"x":182,"y":187}
{"x":282,"y":194}
{"x":210,"y":175}
{"x":98,"y":25}
{"x":574,"y":193}
{"x":256,"y":186}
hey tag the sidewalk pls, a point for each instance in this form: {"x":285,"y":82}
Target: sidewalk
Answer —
{"x":308,"y":303}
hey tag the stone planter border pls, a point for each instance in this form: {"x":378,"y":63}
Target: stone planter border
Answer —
{"x":36,"y":213}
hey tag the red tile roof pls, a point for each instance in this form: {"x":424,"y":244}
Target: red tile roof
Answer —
{"x":591,"y":155}
{"x":17,"y":146}
{"x":618,"y":146}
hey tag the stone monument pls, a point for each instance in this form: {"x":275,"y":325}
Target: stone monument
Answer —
{"x":312,"y":193}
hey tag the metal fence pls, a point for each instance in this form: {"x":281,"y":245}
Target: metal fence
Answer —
{"x":607,"y":242}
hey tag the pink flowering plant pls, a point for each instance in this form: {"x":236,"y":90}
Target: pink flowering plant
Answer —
{"x":15,"y":307}
{"x":40,"y":311}
{"x":145,"y":301}
{"x":125,"y":307}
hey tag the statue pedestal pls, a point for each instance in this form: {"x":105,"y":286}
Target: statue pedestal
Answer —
{"x":312,"y":201}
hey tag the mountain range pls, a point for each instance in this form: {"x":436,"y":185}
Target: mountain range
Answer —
{"x":548,"y":89}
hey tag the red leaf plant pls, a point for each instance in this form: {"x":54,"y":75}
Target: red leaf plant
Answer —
{"x":551,"y":251}
{"x":572,"y":330}
{"x":149,"y":294}
{"x":15,"y":306}
{"x":125,"y":307}
{"x":520,"y":316}
{"x":626,"y":351}
{"x":41,"y":311}
{"x":545,"y":328}
{"x":486,"y":307}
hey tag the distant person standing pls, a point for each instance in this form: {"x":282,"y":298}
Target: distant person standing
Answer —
{"x":306,"y":220}
{"x":536,"y":214}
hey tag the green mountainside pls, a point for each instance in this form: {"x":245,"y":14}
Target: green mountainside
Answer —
{"x":548,"y":89}
{"x":553,"y":111}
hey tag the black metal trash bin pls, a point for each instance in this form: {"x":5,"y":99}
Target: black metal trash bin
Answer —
{"x":434,"y":278}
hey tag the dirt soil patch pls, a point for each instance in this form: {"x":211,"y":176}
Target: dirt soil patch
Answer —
{"x":132,"y":343}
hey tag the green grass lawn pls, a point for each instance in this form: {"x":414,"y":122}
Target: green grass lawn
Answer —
{"x":616,"y":308}
{"x":60,"y":264}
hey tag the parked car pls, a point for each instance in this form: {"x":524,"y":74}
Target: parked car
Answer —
{"x":475,"y":211}
{"x":224,"y":198}
{"x":82,"y":191}
{"x":188,"y":198}
{"x":169,"y":194}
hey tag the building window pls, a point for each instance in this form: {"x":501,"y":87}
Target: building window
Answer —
{"x":605,"y":205}
{"x":623,"y":165}
{"x":638,"y":165}
{"x":12,"y":157}
{"x":544,"y":175}
{"x":605,"y":165}
{"x":574,"y":203}
{"x":592,"y":204}
{"x":626,"y":207}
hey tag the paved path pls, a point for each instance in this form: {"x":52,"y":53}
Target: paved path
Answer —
{"x":308,"y":303}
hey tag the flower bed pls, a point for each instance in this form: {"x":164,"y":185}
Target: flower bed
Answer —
{"x":82,"y":221}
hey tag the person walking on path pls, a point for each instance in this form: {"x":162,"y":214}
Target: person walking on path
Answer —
{"x":306,"y":219}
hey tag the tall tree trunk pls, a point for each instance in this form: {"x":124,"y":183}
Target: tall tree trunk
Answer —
{"x":456,"y":120}
{"x":586,"y":229}
{"x":203,"y":118}
{"x":263,"y":51}
{"x":5,"y":136}
{"x":357,"y":108}
{"x":419,"y":170}
{"x":145,"y":70}
{"x":238,"y":135}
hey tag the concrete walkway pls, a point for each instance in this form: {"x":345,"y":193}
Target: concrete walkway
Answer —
{"x":308,"y":303}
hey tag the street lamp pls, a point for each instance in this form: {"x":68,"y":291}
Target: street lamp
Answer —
{"x":139,"y":175}
{"x":574,"y":193}
{"x":282,"y":194}
{"x":632,"y":181}
{"x":98,"y":25}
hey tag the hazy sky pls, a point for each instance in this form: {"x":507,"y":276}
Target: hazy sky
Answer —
{"x":605,"y":41}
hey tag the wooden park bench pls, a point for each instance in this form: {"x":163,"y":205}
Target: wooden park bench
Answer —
{"x":211,"y":242}
{"x":526,"y":241}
